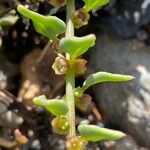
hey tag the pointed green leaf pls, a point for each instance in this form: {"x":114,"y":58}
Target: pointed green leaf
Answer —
{"x":39,"y":100}
{"x":77,"y":46}
{"x":90,"y":4}
{"x":105,"y":77}
{"x":95,"y":133}
{"x":49,"y":26}
{"x":102,"y":77}
{"x":55,"y":106}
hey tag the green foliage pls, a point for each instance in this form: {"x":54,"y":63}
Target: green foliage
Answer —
{"x":76,"y":46}
{"x":95,"y":133}
{"x":102,"y":77}
{"x":92,"y":4}
{"x":55,"y":106}
{"x":49,"y":26}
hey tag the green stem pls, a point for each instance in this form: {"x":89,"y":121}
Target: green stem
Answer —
{"x":70,"y":11}
{"x":70,"y":101}
{"x":70,"y":75}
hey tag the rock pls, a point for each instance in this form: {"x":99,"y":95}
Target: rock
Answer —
{"x":38,"y":78}
{"x":8,"y":74}
{"x":18,"y":40}
{"x":126,"y":17}
{"x":126,"y":143}
{"x":125,"y":104}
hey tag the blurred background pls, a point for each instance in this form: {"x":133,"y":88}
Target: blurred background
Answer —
{"x":123,"y":46}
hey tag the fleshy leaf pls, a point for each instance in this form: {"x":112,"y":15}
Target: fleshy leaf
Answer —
{"x":90,"y":4}
{"x":95,"y":133}
{"x":55,"y":106}
{"x":49,"y":26}
{"x":77,"y":46}
{"x":102,"y":77}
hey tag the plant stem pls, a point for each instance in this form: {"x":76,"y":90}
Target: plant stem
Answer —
{"x":70,"y":75}
{"x":70,"y":101}
{"x":70,"y":11}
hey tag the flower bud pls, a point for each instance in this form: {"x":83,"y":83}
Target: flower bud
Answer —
{"x":79,"y":66}
{"x":57,"y":3}
{"x":60,"y":65}
{"x":83,"y":102}
{"x":21,"y":139}
{"x":60,"y":125}
{"x":75,"y":143}
{"x":80,"y":18}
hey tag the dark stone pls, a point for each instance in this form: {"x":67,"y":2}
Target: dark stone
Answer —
{"x":125,"y":104}
{"x":19,"y":41}
{"x":126,"y":17}
{"x":126,"y":143}
{"x":9,"y":74}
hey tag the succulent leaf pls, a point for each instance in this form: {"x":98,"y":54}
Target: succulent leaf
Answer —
{"x":55,"y":106}
{"x":95,"y":133}
{"x":101,"y":77}
{"x":77,"y":46}
{"x":49,"y":26}
{"x":90,"y":4}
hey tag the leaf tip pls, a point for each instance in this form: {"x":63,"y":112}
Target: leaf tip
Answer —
{"x":94,"y":37}
{"x":129,"y":77}
{"x":39,"y":100}
{"x":20,"y":8}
